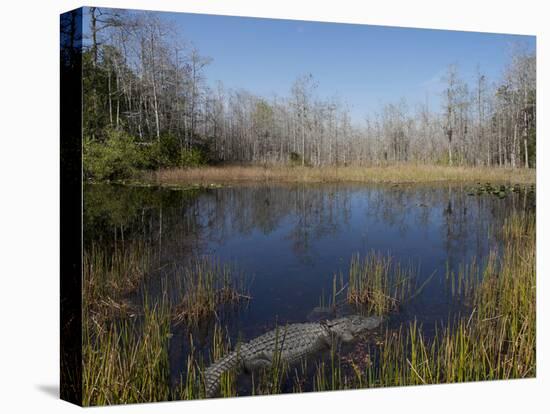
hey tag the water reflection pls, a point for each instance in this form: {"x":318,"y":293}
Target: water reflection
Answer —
{"x":298,"y":218}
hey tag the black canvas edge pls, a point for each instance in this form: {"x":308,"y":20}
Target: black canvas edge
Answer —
{"x":70,"y":32}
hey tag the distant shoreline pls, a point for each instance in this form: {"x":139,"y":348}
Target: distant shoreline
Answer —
{"x":390,"y":174}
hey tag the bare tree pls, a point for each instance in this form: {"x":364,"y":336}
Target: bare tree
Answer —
{"x":147,"y":81}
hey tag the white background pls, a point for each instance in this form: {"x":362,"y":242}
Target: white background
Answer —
{"x":29,"y":206}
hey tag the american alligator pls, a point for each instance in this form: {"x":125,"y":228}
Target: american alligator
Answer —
{"x":289,"y":344}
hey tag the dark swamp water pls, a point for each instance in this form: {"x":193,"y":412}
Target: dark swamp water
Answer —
{"x":289,"y":241}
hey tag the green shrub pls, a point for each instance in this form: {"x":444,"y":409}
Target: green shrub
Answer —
{"x":117,"y":157}
{"x":168,"y":152}
{"x":295,"y":159}
{"x":193,"y":157}
{"x":151,"y":156}
{"x":169,"y":147}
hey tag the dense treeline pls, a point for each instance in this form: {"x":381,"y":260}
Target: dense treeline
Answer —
{"x":148,"y":105}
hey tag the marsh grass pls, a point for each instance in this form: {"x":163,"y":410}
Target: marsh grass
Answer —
{"x":125,"y":345}
{"x":189,"y":386}
{"x":110,"y":274}
{"x":461,"y":284}
{"x":221,"y":346}
{"x":204,"y":287}
{"x":272,"y":380}
{"x":328,"y":372}
{"x":377,"y":284}
{"x":192,"y":385}
{"x":332,"y":302}
{"x":127,"y":361}
{"x":391,"y":173}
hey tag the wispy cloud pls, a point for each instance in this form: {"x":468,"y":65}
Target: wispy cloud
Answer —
{"x":435,"y":82}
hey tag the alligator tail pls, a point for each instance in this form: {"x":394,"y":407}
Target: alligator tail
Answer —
{"x":213,"y":373}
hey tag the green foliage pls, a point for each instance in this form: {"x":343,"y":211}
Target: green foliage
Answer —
{"x":113,"y":154}
{"x":532,"y":147}
{"x":169,"y":151}
{"x":443,"y":159}
{"x":94,"y":91}
{"x":262,"y":118}
{"x":117,"y":157}
{"x":193,"y":157}
{"x":160,"y":153}
{"x":295,"y":159}
{"x":263,"y":112}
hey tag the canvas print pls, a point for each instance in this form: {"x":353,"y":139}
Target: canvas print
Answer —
{"x":263,"y":206}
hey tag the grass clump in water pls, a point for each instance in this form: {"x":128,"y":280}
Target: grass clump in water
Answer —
{"x":205,"y":286}
{"x":110,"y":274}
{"x":377,"y":284}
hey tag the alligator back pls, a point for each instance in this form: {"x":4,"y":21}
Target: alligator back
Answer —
{"x":288,"y":343}
{"x":213,"y":373}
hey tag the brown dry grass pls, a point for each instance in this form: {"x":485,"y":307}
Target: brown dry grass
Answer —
{"x":400,"y":173}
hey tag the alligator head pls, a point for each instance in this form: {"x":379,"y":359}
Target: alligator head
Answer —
{"x":350,"y":327}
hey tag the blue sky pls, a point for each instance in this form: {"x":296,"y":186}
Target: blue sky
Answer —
{"x":365,"y":66}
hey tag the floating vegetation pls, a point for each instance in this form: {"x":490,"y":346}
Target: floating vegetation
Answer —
{"x":498,"y":190}
{"x":204,"y":287}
